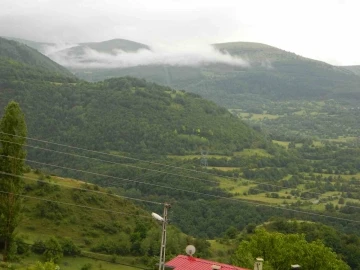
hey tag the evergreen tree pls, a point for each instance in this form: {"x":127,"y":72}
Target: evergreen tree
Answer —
{"x":12,"y":139}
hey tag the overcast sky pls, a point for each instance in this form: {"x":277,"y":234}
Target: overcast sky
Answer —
{"x":327,"y":30}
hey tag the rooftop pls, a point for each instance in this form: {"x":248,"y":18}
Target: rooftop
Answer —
{"x":182,"y":262}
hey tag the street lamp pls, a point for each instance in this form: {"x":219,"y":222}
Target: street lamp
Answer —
{"x":164,"y":220}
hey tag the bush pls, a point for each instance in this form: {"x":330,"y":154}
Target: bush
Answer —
{"x":69,"y":248}
{"x":38,"y":247}
{"x":86,"y":266}
{"x":22,"y":247}
{"x":44,"y":266}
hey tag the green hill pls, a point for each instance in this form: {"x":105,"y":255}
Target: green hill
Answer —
{"x":354,"y":69}
{"x":273,"y":74}
{"x":92,"y":225}
{"x":134,"y":121}
{"x":158,"y":119}
{"x":109,"y":47}
{"x":39,"y":46}
{"x":115,"y":44}
{"x":25,"y":55}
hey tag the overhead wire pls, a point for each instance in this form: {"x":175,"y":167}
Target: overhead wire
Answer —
{"x":108,"y":161}
{"x":82,"y":189}
{"x":204,"y":194}
{"x":72,"y":204}
{"x":136,"y":159}
{"x":151,"y":162}
{"x":156,"y":171}
{"x":104,"y":153}
{"x":174,"y":174}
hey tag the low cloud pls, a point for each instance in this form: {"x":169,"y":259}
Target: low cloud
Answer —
{"x":53,"y":49}
{"x":174,"y":56}
{"x":266,"y":64}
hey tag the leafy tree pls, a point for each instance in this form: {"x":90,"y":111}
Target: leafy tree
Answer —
{"x":12,"y":139}
{"x":231,"y":232}
{"x":279,"y":251}
{"x":53,"y":250}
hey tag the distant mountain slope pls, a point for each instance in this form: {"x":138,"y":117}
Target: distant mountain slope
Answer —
{"x":257,"y":51}
{"x":39,"y":46}
{"x":273,"y":74}
{"x":21,"y":53}
{"x":158,"y":119}
{"x":354,"y":69}
{"x":125,"y":117}
{"x":108,"y":47}
{"x":115,"y":44}
{"x":128,"y":115}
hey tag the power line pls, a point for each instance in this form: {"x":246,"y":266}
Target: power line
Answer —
{"x":130,"y":158}
{"x":157,"y":171}
{"x":259,"y":189}
{"x":107,"y":154}
{"x":82,"y":189}
{"x":196,"y":178}
{"x":108,"y":161}
{"x":93,"y":173}
{"x":201,"y":193}
{"x":71,"y":204}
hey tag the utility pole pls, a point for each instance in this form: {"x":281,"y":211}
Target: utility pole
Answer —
{"x":203,"y":160}
{"x":163,"y":237}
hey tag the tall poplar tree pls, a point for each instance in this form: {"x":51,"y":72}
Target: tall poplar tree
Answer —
{"x":13,"y":134}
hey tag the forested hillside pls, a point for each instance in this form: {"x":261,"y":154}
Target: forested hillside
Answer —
{"x":28,"y":56}
{"x":355,"y":69}
{"x":108,"y":46}
{"x":127,"y":115}
{"x":123,"y":116}
{"x":75,"y":224}
{"x":152,"y":142}
{"x":289,"y":96}
{"x":273,"y":74}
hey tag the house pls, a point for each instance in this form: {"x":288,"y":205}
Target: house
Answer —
{"x":183,"y":262}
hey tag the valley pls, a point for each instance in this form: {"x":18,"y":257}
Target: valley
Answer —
{"x":271,"y":152}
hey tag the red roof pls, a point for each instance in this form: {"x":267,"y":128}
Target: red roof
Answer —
{"x":182,"y":262}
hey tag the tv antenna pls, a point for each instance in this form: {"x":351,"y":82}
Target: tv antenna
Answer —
{"x":190,"y":250}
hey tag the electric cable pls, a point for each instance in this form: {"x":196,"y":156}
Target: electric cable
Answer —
{"x":201,"y":193}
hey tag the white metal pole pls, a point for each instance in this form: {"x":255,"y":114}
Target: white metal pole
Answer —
{"x":163,"y":238}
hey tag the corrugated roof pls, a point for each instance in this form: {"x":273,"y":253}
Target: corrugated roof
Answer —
{"x":182,"y":262}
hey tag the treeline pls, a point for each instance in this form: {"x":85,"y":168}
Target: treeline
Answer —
{"x":343,"y":244}
{"x":128,"y":115}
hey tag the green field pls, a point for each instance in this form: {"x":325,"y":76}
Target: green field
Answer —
{"x":76,"y":263}
{"x":257,"y":116}
{"x":253,"y":152}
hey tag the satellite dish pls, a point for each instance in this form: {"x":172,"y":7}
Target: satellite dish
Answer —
{"x":157,"y":217}
{"x":190,"y":250}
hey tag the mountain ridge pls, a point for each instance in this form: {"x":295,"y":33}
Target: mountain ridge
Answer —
{"x":273,"y":74}
{"x":185,"y":119}
{"x":26,"y":55}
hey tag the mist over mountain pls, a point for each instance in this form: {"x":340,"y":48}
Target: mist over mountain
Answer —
{"x":354,"y":69}
{"x":226,"y":73}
